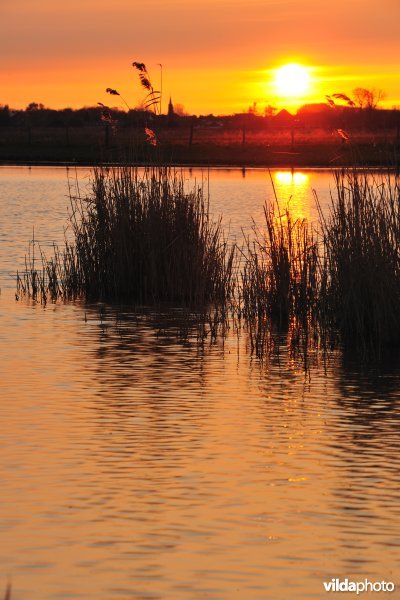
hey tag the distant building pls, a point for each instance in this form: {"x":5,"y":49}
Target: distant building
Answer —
{"x":171,"y":113}
{"x":283,"y":118}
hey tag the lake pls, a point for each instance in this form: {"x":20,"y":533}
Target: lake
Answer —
{"x":138,"y":465}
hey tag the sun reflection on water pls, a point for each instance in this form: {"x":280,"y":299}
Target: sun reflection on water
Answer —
{"x":293,"y":192}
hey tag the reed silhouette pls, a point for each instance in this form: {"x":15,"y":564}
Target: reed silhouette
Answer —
{"x":362,"y":242}
{"x":141,"y":237}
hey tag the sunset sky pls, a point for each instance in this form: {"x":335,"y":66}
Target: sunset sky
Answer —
{"x":218,"y":56}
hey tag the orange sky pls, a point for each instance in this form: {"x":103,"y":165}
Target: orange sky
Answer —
{"x":218,"y":55}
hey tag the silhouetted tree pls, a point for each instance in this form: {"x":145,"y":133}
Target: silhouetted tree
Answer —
{"x":5,"y":115}
{"x":269,"y":111}
{"x":368,"y":99}
{"x":253,"y":110}
{"x":34,"y":106}
{"x":180,"y":110}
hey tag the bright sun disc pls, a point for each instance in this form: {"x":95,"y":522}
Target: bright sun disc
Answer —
{"x":292,"y":80}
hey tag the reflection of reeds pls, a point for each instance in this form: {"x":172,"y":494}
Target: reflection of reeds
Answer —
{"x":140,"y":236}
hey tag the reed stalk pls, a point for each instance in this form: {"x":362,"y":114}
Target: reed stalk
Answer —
{"x":280,"y":278}
{"x":362,"y":241}
{"x":141,"y":237}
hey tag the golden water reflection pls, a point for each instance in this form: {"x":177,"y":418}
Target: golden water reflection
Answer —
{"x":293,"y":191}
{"x":138,"y":465}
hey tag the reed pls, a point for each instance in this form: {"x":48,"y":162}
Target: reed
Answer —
{"x":362,"y":242}
{"x":281,"y":277}
{"x":141,"y":237}
{"x":339,"y":280}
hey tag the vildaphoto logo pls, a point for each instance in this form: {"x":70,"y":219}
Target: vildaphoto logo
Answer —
{"x":358,"y":587}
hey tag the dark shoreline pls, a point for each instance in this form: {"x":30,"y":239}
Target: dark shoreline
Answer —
{"x":306,"y":167}
{"x":211,"y":155}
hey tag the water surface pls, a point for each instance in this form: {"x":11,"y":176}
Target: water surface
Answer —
{"x":137,"y":465}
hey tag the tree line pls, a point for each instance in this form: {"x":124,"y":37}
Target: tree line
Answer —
{"x":360,"y":111}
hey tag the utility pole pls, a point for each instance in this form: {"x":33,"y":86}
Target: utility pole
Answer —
{"x":161,"y":85}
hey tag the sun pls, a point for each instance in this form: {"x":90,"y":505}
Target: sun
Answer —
{"x":292,"y":80}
